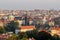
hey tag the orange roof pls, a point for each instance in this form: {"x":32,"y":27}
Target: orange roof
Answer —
{"x":56,"y":28}
{"x":27,"y":27}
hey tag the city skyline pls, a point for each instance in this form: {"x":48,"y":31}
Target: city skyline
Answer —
{"x":30,"y":4}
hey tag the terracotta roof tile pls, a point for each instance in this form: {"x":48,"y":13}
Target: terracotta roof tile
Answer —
{"x":27,"y":27}
{"x":57,"y":28}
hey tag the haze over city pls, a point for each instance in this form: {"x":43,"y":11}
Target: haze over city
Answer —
{"x":29,"y":19}
{"x":30,"y":4}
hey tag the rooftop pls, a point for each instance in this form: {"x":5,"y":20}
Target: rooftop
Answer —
{"x":27,"y":27}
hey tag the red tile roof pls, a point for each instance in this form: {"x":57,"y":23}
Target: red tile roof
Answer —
{"x":56,"y":28}
{"x":27,"y":27}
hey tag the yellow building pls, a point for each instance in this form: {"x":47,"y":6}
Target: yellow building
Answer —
{"x":55,"y":31}
{"x":51,"y":23}
{"x":20,"y":22}
{"x":11,"y":18}
{"x":1,"y":24}
{"x":41,"y":22}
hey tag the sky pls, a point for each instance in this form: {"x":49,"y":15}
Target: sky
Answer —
{"x":30,"y":4}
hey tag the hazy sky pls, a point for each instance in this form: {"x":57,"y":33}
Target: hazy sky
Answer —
{"x":29,"y":4}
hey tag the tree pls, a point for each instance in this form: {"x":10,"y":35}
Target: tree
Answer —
{"x":32,"y":33}
{"x":24,"y":38}
{"x":13,"y":37}
{"x":43,"y":36}
{"x":12,"y":26}
{"x":56,"y":37}
{"x":2,"y":30}
{"x":29,"y":34}
{"x":22,"y":35}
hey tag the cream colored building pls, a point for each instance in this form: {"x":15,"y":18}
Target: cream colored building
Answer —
{"x":11,"y":18}
{"x":1,"y":24}
{"x":30,"y":22}
{"x":44,"y":20}
{"x":27,"y":28}
{"x":24,"y":29}
{"x":20,"y":22}
{"x":55,"y":31}
{"x":51,"y":23}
